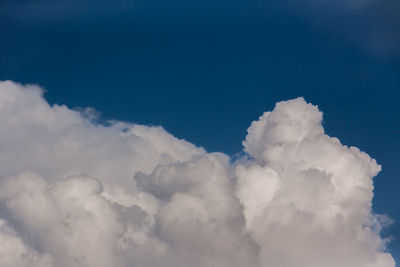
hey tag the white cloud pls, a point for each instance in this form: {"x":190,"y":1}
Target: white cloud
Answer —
{"x":75,"y":193}
{"x":13,"y":251}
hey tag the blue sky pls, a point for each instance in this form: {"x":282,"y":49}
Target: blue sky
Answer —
{"x":205,"y":69}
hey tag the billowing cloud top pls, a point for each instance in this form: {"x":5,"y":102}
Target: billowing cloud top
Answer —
{"x":76,"y":193}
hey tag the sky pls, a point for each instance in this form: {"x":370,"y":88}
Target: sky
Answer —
{"x":204,"y":70}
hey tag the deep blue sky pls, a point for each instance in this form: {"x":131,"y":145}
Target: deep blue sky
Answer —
{"x":205,"y":69}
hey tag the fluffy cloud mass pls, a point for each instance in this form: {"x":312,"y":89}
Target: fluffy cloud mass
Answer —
{"x":77,"y":193}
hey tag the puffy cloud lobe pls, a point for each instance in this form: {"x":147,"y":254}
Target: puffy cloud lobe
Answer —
{"x":13,"y":251}
{"x":69,"y":220}
{"x":200,"y":213}
{"x":76,"y":193}
{"x":307,"y":195}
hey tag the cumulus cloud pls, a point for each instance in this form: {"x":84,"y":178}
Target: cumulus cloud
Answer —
{"x":77,"y":193}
